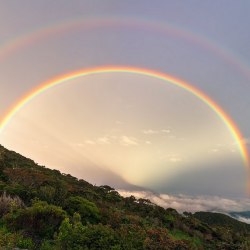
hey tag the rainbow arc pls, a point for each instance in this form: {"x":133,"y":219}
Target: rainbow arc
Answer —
{"x":229,"y":123}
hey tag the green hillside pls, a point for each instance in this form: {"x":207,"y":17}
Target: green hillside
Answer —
{"x":44,"y":209}
{"x":222,"y":220}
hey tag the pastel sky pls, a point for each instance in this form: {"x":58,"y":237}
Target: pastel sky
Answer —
{"x":131,"y":131}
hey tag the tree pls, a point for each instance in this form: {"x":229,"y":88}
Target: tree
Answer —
{"x":87,"y":210}
{"x":75,"y":236}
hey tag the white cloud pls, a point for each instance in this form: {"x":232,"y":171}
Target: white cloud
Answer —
{"x":231,"y":147}
{"x":243,"y":219}
{"x":246,"y":141}
{"x":215,"y":150}
{"x":90,"y":142}
{"x":192,"y":203}
{"x":98,"y":141}
{"x":165,"y":131}
{"x":173,"y":158}
{"x":150,"y":132}
{"x":103,"y":140}
{"x":153,"y":132}
{"x":128,"y":141}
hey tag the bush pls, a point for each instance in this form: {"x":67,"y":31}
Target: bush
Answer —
{"x":9,"y":204}
{"x":48,"y":245}
{"x":40,"y":220}
{"x":75,"y":236}
{"x":10,"y":240}
{"x":87,"y":210}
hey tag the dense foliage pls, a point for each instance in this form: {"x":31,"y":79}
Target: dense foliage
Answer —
{"x":44,"y":209}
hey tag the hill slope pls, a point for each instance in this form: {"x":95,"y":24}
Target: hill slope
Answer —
{"x":222,"y":220}
{"x":41,"y":208}
{"x":241,"y":216}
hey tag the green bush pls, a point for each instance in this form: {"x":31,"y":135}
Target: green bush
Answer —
{"x":87,"y":210}
{"x":48,"y":245}
{"x":40,"y":220}
{"x":75,"y":236}
{"x":9,"y":240}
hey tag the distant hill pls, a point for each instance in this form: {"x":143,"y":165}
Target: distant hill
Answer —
{"x":218,"y":219}
{"x":41,"y":208}
{"x":245,"y":214}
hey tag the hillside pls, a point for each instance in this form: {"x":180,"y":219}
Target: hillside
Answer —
{"x":41,"y":208}
{"x":245,"y":214}
{"x":218,"y":219}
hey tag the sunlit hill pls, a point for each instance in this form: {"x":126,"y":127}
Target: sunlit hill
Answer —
{"x":41,"y":208}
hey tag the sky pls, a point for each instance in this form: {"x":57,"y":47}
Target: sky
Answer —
{"x":133,"y":131}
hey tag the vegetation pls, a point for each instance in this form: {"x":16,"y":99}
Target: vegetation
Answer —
{"x":44,"y":209}
{"x":223,"y":220}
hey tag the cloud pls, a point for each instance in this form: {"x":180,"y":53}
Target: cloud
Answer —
{"x":243,"y":219}
{"x":89,"y":142}
{"x":173,"y":158}
{"x":166,"y":131}
{"x":128,"y":141}
{"x":225,"y":148}
{"x":245,"y":141}
{"x":109,"y":139}
{"x":103,"y":140}
{"x":215,"y":150}
{"x":192,"y":203}
{"x":98,"y":141}
{"x":154,"y":132}
{"x":150,"y":132}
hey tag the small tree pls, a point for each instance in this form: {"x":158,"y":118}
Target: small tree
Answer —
{"x":87,"y":210}
{"x":75,"y":236}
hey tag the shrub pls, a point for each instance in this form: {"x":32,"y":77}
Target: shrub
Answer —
{"x":75,"y":236}
{"x":9,"y":204}
{"x":87,"y":210}
{"x":40,"y":220}
{"x":48,"y":245}
{"x":10,"y":240}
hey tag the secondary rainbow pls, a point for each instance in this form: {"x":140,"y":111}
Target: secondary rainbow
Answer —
{"x":8,"y":47}
{"x":235,"y":132}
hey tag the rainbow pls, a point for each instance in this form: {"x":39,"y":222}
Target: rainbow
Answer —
{"x":235,"y":132}
{"x":7,"y":48}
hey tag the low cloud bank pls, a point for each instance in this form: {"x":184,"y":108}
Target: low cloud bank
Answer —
{"x":193,"y":203}
{"x":243,"y":219}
